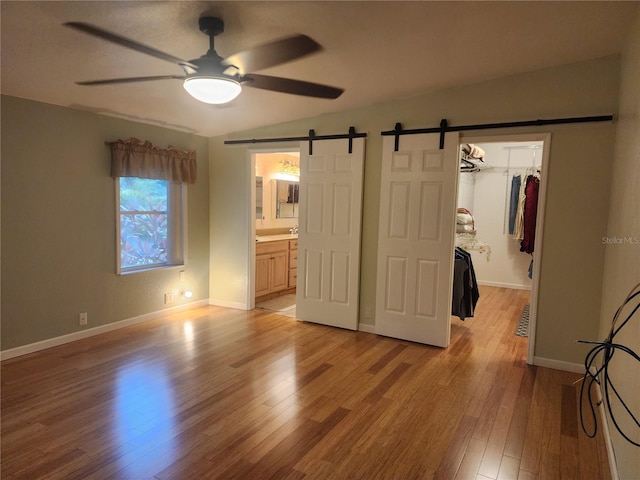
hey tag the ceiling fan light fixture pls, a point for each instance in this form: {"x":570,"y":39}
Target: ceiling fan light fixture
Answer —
{"x":213,"y":90}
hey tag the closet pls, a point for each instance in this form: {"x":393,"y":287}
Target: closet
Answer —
{"x":485,"y":219}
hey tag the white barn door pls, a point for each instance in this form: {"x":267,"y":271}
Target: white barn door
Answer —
{"x":416,"y":238}
{"x":329,"y":232}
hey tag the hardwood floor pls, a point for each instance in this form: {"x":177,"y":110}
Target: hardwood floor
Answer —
{"x":215,"y":393}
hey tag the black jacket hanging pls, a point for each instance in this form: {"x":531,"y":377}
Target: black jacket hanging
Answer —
{"x":465,"y":288}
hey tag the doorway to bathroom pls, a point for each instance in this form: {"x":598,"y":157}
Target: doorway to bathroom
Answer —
{"x":319,"y":245}
{"x":277,"y":208}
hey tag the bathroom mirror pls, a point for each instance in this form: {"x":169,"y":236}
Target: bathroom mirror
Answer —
{"x":286,"y":198}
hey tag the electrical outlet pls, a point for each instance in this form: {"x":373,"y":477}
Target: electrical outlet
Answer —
{"x":169,"y":297}
{"x":82,"y":318}
{"x":367,"y":312}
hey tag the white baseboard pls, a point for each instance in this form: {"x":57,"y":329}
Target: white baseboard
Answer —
{"x":72,"y":337}
{"x":365,"y":327}
{"x":558,"y":365}
{"x":225,"y":303}
{"x":504,"y":285}
{"x":613,"y":466}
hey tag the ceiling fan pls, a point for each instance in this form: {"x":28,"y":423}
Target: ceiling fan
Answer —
{"x":213,"y":79}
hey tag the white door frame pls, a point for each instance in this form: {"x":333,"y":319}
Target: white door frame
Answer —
{"x":250,"y":301}
{"x":545,"y":138}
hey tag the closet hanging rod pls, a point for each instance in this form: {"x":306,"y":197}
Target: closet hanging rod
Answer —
{"x":525,"y":147}
{"x":445,"y":127}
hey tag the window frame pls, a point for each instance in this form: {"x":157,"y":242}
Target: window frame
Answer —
{"x":176,"y":230}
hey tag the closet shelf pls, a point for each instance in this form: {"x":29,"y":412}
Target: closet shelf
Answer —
{"x":470,"y":242}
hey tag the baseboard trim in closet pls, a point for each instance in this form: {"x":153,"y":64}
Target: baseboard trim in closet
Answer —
{"x":504,"y":285}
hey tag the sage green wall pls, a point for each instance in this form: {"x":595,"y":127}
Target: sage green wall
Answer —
{"x":230,"y":183}
{"x":577,"y":202}
{"x":622,"y":260}
{"x":58,"y":223}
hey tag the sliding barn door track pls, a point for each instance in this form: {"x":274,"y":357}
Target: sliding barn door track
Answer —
{"x":445,"y":127}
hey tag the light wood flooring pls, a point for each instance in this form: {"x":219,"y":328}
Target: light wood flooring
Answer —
{"x":216,"y":393}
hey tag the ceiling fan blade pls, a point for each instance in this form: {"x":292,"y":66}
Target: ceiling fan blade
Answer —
{"x":273,"y":53}
{"x":110,"y":81}
{"x":286,"y":85}
{"x":127,"y":43}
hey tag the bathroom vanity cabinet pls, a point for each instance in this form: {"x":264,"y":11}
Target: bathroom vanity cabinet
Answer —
{"x":276,"y":266}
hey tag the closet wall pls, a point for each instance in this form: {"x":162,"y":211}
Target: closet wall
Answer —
{"x":486,"y":195}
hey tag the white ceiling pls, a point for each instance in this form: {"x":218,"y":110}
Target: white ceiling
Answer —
{"x":376,"y":51}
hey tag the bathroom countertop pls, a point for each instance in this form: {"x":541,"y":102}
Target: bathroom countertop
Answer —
{"x":273,"y":238}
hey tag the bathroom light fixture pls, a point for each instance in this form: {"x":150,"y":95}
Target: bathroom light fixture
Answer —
{"x":212,"y":89}
{"x":289,"y":167}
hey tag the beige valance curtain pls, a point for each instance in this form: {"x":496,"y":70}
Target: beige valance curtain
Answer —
{"x":139,"y":158}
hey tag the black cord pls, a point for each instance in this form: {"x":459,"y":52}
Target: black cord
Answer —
{"x":593,"y":375}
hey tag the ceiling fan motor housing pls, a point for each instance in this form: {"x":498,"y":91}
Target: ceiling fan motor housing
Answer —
{"x":211,"y":26}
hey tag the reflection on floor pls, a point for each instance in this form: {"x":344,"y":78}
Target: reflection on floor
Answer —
{"x":216,"y":393}
{"x":289,"y":313}
{"x":284,"y":305}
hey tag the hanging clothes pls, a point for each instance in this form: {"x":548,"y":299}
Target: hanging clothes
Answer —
{"x":518,"y":229}
{"x":465,"y":288}
{"x":516,"y":182}
{"x":293,"y":193}
{"x":530,"y":214}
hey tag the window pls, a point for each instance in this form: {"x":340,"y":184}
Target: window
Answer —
{"x":150,"y":224}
